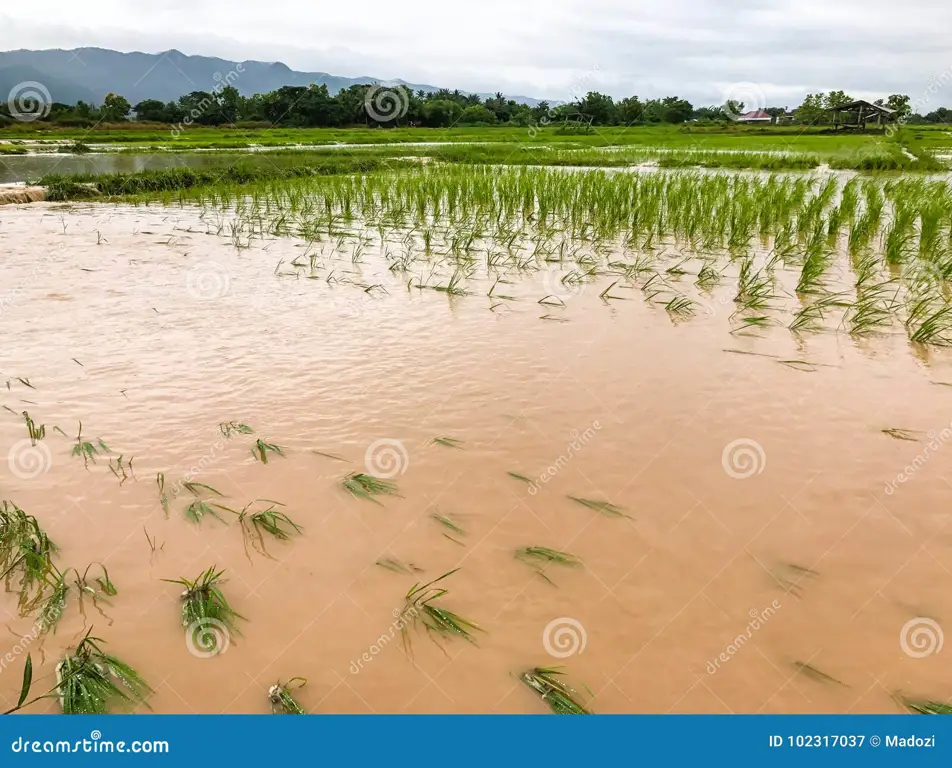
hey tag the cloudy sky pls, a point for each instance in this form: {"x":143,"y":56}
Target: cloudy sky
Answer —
{"x":703,"y":50}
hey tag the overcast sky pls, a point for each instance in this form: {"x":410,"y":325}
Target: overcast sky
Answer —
{"x":704,"y":50}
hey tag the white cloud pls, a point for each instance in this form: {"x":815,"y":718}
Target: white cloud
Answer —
{"x":536,"y":47}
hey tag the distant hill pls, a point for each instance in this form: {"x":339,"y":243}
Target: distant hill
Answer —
{"x":90,"y":73}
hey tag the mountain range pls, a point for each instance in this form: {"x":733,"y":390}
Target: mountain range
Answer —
{"x":88,"y":74}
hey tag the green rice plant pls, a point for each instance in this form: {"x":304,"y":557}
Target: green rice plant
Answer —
{"x":282,"y":700}
{"x":198,"y":510}
{"x":754,"y":288}
{"x":439,"y":623}
{"x":86,"y":449}
{"x":934,"y":326}
{"x":255,"y":524}
{"x":333,"y":456}
{"x":196,"y":489}
{"x":808,"y":670}
{"x":680,"y":307}
{"x":397,"y":566}
{"x":260,"y":450}
{"x":163,"y":497}
{"x":90,"y":681}
{"x":26,"y":553}
{"x":810,"y":317}
{"x":517,"y":476}
{"x":203,"y":600}
{"x":447,"y":442}
{"x":562,"y":699}
{"x":901,"y":434}
{"x":540,"y":558}
{"x":447,"y":523}
{"x":605,"y":507}
{"x":119,"y":468}
{"x":35,"y":432}
{"x":365,"y":486}
{"x":229,"y":428}
{"x":925,"y":706}
{"x":789,"y":576}
{"x":872,"y":311}
{"x":52,"y":609}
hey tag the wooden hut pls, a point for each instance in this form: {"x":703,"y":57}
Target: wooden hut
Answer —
{"x":857,"y":114}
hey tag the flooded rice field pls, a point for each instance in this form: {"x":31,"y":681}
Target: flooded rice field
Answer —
{"x":685,"y":438}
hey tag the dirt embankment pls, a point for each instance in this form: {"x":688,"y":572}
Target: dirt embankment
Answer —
{"x":10,"y":195}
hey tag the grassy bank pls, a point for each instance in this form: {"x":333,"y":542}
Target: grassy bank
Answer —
{"x":61,"y":188}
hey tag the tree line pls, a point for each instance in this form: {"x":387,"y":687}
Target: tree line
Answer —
{"x":315,"y":106}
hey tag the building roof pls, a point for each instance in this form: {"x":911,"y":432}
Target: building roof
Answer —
{"x":757,"y":114}
{"x":854,"y":105}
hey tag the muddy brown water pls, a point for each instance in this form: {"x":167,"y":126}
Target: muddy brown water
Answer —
{"x":695,"y":603}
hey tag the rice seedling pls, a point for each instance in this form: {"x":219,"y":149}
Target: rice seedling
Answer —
{"x":333,"y":456}
{"x":35,"y":432}
{"x":397,"y":566}
{"x":789,"y":576}
{"x":255,"y":524}
{"x":901,"y":434}
{"x":26,"y":552}
{"x":196,"y":489}
{"x":229,"y":428}
{"x":86,"y":449}
{"x":119,"y":469}
{"x":925,"y":706}
{"x":282,"y":700}
{"x":935,"y":328}
{"x":680,"y":307}
{"x":365,"y":486}
{"x":203,"y":600}
{"x":163,"y":497}
{"x":52,"y":609}
{"x":808,"y":670}
{"x":449,"y":524}
{"x":605,"y":507}
{"x":540,"y":558}
{"x":198,"y":510}
{"x":522,"y":478}
{"x":439,"y":623}
{"x":260,"y":450}
{"x":447,"y":442}
{"x":89,"y":681}
{"x":562,"y":699}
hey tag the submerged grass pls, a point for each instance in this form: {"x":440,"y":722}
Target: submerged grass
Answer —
{"x":282,"y":700}
{"x":540,"y":558}
{"x":439,"y":623}
{"x":365,"y":486}
{"x":202,"y":599}
{"x":562,"y":699}
{"x":90,"y":681}
{"x":605,"y":507}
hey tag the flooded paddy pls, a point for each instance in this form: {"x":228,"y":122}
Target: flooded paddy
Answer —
{"x":736,"y":422}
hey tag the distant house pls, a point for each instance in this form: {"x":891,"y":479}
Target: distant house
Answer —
{"x":757,"y":116}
